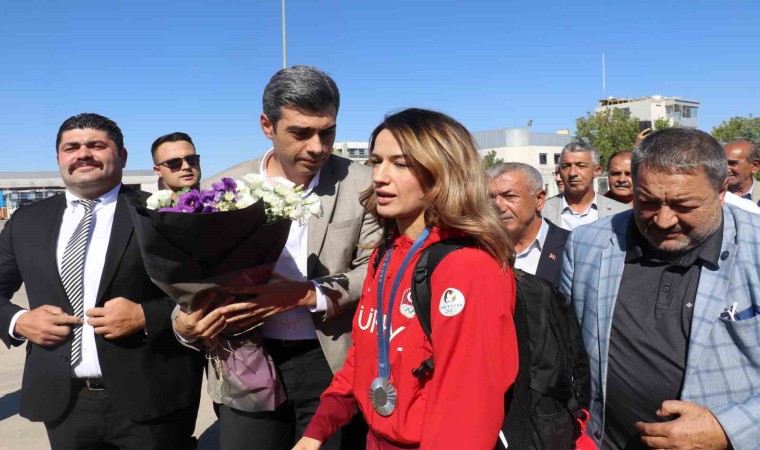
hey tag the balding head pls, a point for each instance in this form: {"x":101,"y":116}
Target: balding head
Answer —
{"x":743,"y":164}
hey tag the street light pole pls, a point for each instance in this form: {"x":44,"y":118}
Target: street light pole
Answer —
{"x":284,"y":39}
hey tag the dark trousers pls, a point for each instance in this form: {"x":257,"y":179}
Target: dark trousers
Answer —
{"x":93,"y":423}
{"x":305,"y":375}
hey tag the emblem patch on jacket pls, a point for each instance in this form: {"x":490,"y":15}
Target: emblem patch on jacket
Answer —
{"x":406,"y":308}
{"x":452,"y":302}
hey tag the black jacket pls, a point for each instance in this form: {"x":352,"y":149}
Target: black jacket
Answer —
{"x":550,"y":263}
{"x":148,"y":375}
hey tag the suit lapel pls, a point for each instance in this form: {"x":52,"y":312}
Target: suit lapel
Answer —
{"x":327,"y":190}
{"x":121,"y":232}
{"x":554,"y":212}
{"x":712,"y":295}
{"x":610,"y":273}
{"x":49,"y":261}
{"x":548,"y":263}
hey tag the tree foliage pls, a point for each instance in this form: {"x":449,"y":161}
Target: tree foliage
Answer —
{"x":662,"y":123}
{"x":490,"y":160}
{"x":738,"y":127}
{"x":610,"y":131}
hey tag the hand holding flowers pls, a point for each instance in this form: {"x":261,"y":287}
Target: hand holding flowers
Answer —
{"x":221,"y":249}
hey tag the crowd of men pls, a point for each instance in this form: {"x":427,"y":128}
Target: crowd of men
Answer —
{"x":662,"y":276}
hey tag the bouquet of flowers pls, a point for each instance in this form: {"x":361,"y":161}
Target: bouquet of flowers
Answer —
{"x":197,"y":245}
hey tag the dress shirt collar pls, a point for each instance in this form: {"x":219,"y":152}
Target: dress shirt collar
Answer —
{"x":748,"y":194}
{"x":105,"y":199}
{"x":708,"y":251}
{"x":539,"y":240}
{"x":263,"y":170}
{"x":566,"y":207}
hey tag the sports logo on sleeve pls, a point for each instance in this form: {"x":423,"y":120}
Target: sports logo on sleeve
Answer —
{"x":452,"y":302}
{"x":406,"y":307}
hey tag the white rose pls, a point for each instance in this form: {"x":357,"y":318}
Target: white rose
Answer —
{"x":244,"y":201}
{"x":242,"y":187}
{"x":284,"y":182}
{"x":159,"y":199}
{"x":254,"y":180}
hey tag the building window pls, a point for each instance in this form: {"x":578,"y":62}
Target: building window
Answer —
{"x":556,"y":158}
{"x":542,"y":159}
{"x":626,"y":110}
{"x":689,"y":112}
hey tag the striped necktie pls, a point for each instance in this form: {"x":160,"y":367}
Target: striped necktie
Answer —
{"x":72,"y":273}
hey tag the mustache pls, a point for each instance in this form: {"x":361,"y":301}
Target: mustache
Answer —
{"x":622,"y":184}
{"x":84,"y":163}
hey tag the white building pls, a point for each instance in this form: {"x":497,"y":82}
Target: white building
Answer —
{"x":355,"y":151}
{"x":20,"y":188}
{"x":679,"y":111}
{"x":540,"y":150}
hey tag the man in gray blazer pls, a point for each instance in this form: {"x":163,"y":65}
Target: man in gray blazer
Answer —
{"x":308,"y":306}
{"x":579,"y":204}
{"x":668,"y":297}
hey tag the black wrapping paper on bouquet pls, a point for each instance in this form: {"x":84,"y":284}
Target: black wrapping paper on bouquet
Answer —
{"x":195,"y":258}
{"x":188,"y":254}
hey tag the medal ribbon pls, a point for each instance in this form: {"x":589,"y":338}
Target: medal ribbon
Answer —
{"x":383,"y":338}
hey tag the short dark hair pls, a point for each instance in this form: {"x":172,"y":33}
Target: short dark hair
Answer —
{"x":580,"y":146}
{"x":92,"y":121}
{"x":171,"y":137}
{"x":682,"y":150}
{"x":301,"y":87}
{"x":622,"y":152}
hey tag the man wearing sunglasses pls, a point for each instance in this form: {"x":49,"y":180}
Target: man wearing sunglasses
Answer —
{"x":175,"y":161}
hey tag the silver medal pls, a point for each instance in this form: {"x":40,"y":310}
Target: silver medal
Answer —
{"x":382,"y":394}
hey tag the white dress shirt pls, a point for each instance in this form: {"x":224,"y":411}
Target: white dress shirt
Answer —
{"x":748,"y":195}
{"x":572,"y":219}
{"x":95,"y":257}
{"x":527,"y":260}
{"x":297,"y":323}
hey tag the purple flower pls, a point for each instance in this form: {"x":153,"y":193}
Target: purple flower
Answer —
{"x":227,"y":184}
{"x":190,"y":202}
{"x":169,"y":209}
{"x":208,"y":197}
{"x":209,"y":209}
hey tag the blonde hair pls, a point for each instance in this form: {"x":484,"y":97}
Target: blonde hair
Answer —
{"x":441,"y":153}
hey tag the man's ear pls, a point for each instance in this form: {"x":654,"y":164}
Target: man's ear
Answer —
{"x":540,"y":200}
{"x":597,"y":171}
{"x":157,"y":172}
{"x":267,"y":126}
{"x":123,"y":154}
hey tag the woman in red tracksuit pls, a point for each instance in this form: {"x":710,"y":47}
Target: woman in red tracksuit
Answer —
{"x":428,"y":185}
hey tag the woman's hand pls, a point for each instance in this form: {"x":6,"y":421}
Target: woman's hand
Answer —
{"x":307,"y":443}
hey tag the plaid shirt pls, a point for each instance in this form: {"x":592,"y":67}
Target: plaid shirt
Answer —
{"x":723,"y":363}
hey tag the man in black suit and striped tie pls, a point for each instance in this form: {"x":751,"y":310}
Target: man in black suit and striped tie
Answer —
{"x":103,"y":369}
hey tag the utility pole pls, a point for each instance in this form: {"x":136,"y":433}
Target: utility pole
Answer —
{"x":284,"y":39}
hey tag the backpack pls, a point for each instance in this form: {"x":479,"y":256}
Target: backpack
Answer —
{"x":550,"y":396}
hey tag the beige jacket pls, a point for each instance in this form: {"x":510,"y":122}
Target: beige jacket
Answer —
{"x":335,"y":261}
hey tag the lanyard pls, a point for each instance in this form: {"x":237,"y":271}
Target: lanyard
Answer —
{"x":383,"y":337}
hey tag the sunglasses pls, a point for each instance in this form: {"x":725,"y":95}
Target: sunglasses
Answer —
{"x":176,"y":163}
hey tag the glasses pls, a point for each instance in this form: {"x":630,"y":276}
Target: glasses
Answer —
{"x":176,"y":163}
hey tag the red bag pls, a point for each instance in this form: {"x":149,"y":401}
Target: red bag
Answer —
{"x":584,"y":442}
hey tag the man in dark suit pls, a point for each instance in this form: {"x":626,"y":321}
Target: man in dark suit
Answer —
{"x":518,"y":191}
{"x":103,"y":367}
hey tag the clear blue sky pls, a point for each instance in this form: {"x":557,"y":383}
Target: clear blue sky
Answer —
{"x":200,"y":66}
